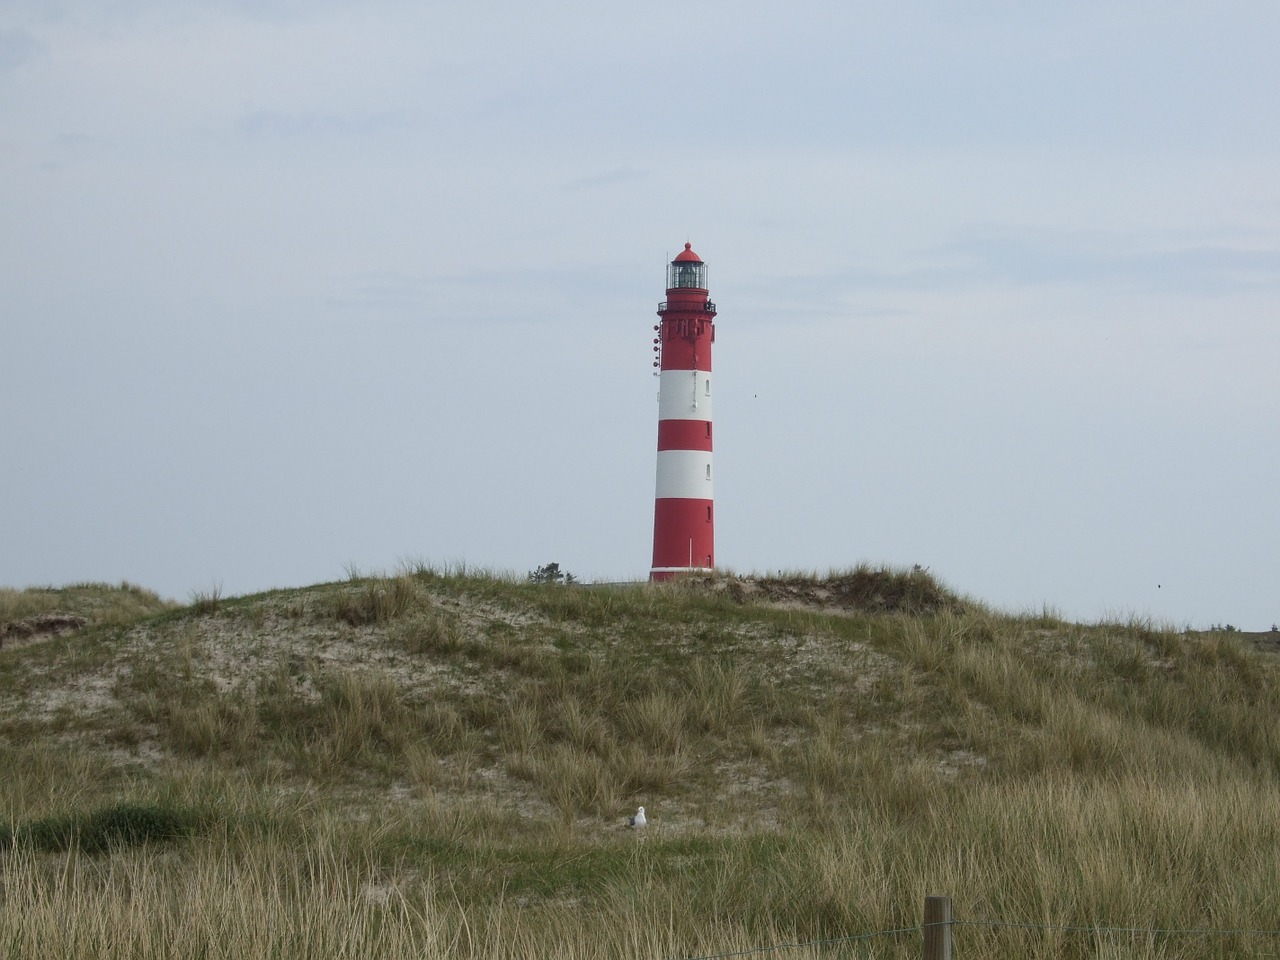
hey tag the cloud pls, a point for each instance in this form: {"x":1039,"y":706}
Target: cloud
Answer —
{"x":282,"y":125}
{"x":17,"y":48}
{"x":1023,"y":259}
{"x":607,"y":178}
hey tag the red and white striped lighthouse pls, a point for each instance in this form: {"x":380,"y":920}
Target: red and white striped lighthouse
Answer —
{"x":683,"y":512}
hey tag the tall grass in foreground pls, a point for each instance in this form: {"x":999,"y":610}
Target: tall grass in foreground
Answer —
{"x":1046,"y":856}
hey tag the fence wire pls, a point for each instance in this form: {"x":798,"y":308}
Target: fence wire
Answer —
{"x":754,"y":951}
{"x":1080,"y":928}
{"x":1009,"y":924}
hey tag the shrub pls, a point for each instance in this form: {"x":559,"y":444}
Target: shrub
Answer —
{"x":551,"y":573}
{"x":122,"y":825}
{"x":871,"y":590}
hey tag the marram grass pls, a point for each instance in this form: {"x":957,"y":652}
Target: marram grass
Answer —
{"x":439,"y":764}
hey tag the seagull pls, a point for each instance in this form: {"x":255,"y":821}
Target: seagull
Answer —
{"x":638,"y":820}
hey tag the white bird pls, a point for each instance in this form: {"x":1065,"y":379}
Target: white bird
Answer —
{"x":638,"y":820}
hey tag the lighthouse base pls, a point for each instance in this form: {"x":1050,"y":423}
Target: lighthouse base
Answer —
{"x":670,"y":573}
{"x":683,"y":537}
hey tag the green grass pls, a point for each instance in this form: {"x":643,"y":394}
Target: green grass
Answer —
{"x":103,"y":830}
{"x":440,"y":762}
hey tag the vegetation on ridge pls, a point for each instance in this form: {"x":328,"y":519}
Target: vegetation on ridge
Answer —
{"x":47,"y":610}
{"x":440,"y":762}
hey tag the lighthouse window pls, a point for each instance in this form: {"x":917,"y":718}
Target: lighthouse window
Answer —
{"x":687,"y":274}
{"x":708,"y":514}
{"x":708,"y":386}
{"x":708,"y":429}
{"x":708,"y":471}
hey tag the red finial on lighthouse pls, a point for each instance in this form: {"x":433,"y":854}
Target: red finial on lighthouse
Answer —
{"x":683,"y":515}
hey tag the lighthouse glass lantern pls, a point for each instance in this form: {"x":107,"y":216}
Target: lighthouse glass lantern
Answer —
{"x":686,"y":275}
{"x":684,"y":508}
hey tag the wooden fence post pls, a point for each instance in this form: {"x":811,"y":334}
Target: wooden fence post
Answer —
{"x":937,"y":928}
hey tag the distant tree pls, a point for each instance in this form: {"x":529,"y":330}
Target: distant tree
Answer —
{"x":551,"y":573}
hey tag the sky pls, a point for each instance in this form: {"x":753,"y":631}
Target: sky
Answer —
{"x":294,"y":289}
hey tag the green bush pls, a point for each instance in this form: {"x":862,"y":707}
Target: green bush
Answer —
{"x":122,"y":825}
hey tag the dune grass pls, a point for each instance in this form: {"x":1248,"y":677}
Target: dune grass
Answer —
{"x":98,"y":603}
{"x":438,"y":763}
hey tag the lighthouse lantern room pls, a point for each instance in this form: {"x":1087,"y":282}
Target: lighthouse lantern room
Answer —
{"x":684,"y":514}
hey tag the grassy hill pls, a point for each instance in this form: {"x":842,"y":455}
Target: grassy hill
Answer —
{"x":442,"y":763}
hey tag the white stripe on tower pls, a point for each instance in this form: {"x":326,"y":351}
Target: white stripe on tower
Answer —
{"x":685,"y":394}
{"x":684,"y":474}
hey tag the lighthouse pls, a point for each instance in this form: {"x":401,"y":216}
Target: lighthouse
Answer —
{"x":684,"y":511}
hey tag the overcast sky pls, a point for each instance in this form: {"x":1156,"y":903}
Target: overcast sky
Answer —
{"x":288,"y":288}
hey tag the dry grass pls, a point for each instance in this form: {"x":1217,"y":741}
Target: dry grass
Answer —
{"x":97,"y":604}
{"x":439,"y":763}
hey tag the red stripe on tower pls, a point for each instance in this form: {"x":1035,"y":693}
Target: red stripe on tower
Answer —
{"x":683,"y":514}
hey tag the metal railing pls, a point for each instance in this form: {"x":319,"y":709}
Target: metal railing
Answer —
{"x":707,"y":307}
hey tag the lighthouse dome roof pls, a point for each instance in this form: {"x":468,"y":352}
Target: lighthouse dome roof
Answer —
{"x":686,"y":255}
